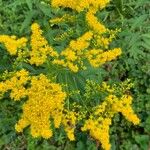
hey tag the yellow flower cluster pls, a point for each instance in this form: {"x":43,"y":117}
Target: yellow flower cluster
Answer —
{"x":124,"y":106}
{"x":94,"y":24}
{"x":12,"y":44}
{"x":99,"y":130}
{"x":74,"y":53}
{"x":64,"y":18}
{"x":104,"y":42}
{"x":45,"y":102}
{"x":80,"y":5}
{"x":16,"y":85}
{"x":64,"y":35}
{"x":100,"y":120}
{"x":99,"y":29}
{"x":40,"y":48}
{"x":97,"y":57}
{"x":69,"y":122}
{"x":73,"y":56}
{"x":91,"y":5}
{"x":107,"y":87}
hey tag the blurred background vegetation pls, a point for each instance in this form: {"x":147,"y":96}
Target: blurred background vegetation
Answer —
{"x":133,"y":17}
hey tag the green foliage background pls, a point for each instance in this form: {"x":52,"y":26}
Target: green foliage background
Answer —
{"x":133,"y":17}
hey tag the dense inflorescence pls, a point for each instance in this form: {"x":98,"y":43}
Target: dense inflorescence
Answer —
{"x":45,"y":101}
{"x":100,"y":120}
{"x":12,"y":43}
{"x":115,"y":101}
{"x":72,"y":57}
{"x":46,"y":104}
{"x":75,"y":54}
{"x":39,"y":47}
{"x":79,"y":5}
{"x":16,"y":85}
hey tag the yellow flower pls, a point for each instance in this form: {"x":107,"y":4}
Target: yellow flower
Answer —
{"x":40,"y":48}
{"x":12,"y":44}
{"x":94,"y":24}
{"x":45,"y":101}
{"x":16,"y":84}
{"x":98,"y":57}
{"x":100,"y":120}
{"x":69,"y":123}
{"x":99,"y":131}
{"x":73,"y":54}
{"x":64,"y":18}
{"x":79,"y":5}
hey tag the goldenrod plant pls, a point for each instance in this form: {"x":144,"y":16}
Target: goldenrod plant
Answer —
{"x":48,"y":78}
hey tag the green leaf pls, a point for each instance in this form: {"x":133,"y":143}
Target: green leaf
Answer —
{"x":69,"y":146}
{"x":147,"y":124}
{"x":145,"y":45}
{"x":6,"y":138}
{"x":45,"y":9}
{"x":143,"y":141}
{"x":80,"y":146}
{"x":146,"y":42}
{"x":137,"y":22}
{"x":29,"y":3}
{"x":147,"y":35}
{"x":28,"y":20}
